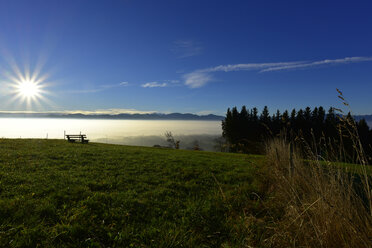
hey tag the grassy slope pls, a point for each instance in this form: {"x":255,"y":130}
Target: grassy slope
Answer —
{"x":58,"y":194}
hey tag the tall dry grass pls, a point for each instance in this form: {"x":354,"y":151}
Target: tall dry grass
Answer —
{"x":321,"y":203}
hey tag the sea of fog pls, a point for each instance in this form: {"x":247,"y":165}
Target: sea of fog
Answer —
{"x":126,"y":132}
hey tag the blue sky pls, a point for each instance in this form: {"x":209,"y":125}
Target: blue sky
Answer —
{"x":186,"y":56}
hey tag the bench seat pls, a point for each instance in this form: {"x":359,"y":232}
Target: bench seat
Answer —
{"x":77,"y":137}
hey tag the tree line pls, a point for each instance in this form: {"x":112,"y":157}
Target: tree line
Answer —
{"x":247,"y":129}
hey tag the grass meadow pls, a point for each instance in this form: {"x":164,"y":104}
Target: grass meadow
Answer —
{"x":57,"y":194}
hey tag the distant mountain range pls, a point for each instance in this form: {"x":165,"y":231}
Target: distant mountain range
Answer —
{"x":368,"y":119}
{"x":152,"y":116}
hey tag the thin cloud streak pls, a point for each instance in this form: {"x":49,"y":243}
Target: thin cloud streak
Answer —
{"x":98,"y":89}
{"x":346,"y":60}
{"x":154,"y":85}
{"x":251,"y":66}
{"x":199,"y":78}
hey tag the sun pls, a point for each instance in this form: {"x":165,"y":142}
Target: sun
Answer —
{"x":25,"y":88}
{"x":28,"y":89}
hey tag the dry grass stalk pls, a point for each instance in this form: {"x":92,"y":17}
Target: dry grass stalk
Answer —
{"x":320,"y":205}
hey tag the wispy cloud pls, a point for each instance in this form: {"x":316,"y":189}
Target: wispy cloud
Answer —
{"x":82,"y":91}
{"x":97,"y":89}
{"x":250,"y":66}
{"x":319,"y":63}
{"x":197,"y":79}
{"x":201,"y":77}
{"x":186,"y":48}
{"x":109,"y":86}
{"x":154,"y":85}
{"x":174,"y":82}
{"x":122,"y":84}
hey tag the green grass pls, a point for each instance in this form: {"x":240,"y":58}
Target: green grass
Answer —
{"x":348,"y":167}
{"x":57,"y":194}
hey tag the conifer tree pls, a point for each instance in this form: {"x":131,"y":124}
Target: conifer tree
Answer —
{"x":321,"y":114}
{"x":265,"y":115}
{"x":307,"y":114}
{"x":243,"y":124}
{"x":227,"y":125}
{"x":255,"y":114}
{"x":285,"y":118}
{"x":293,"y":115}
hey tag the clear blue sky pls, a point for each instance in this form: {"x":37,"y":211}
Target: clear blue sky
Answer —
{"x":188,"y":56}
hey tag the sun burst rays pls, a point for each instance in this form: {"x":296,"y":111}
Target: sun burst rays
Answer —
{"x":27,"y":89}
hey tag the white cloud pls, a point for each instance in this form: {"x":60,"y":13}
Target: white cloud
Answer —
{"x":201,"y":77}
{"x":154,"y":85}
{"x":197,"y":79}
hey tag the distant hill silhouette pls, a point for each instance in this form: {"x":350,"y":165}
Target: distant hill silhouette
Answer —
{"x":368,"y":118}
{"x":152,"y":116}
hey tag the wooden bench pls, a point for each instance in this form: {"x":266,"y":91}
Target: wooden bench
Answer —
{"x":77,"y":137}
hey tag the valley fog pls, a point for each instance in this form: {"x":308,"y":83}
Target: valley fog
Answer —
{"x":125,"y":132}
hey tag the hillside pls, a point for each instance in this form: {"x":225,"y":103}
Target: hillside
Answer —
{"x":57,"y":194}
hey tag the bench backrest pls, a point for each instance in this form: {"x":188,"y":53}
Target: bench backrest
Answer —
{"x":76,"y":135}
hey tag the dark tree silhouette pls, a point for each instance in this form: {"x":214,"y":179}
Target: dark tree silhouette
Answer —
{"x":245,"y":131}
